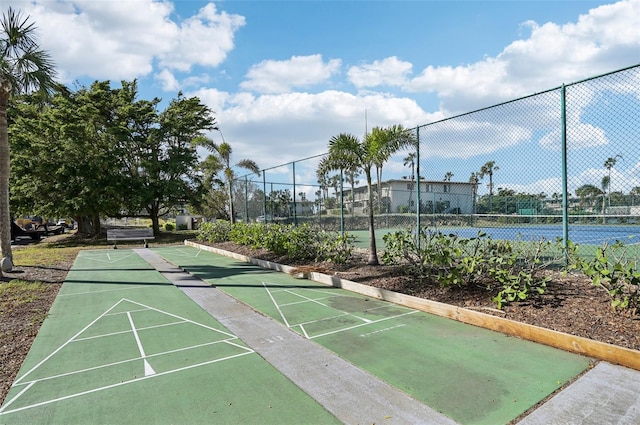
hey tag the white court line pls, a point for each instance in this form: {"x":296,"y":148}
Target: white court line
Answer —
{"x":128,"y":331}
{"x":104,"y":290}
{"x":66,"y":343}
{"x":17,"y":381}
{"x":286,"y":322}
{"x":328,"y":306}
{"x":25,"y":389}
{"x":100,"y":257}
{"x":363,"y":324}
{"x":119,"y":384}
{"x":117,"y":313}
{"x":182,"y":318}
{"x":135,"y":359}
{"x":148,"y":370}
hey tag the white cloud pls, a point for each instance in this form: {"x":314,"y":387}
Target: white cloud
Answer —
{"x":122,"y":39}
{"x":167,"y":80}
{"x":390,"y":71}
{"x":298,"y":124}
{"x":271,"y":76}
{"x":606,"y":38}
{"x":204,"y":39}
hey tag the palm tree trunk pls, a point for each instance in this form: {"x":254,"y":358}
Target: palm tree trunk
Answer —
{"x":5,"y":219}
{"x":373,"y":250}
{"x":232,"y":213}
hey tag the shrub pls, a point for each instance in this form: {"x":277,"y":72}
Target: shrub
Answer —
{"x":169,"y":227}
{"x":214,"y":232}
{"x":614,"y":271}
{"x":515,"y":268}
{"x":303,"y":242}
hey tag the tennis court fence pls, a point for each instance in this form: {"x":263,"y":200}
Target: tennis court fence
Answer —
{"x":568,"y":157}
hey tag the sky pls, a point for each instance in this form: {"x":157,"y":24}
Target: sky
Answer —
{"x":283,"y":77}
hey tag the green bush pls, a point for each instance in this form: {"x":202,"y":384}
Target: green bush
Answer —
{"x":214,"y":232}
{"x":614,"y":271}
{"x":169,"y":227}
{"x":515,"y":269}
{"x":298,"y":243}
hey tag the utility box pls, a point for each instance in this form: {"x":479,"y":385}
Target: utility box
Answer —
{"x":184,"y":222}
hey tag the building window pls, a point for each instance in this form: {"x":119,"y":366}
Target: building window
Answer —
{"x":447,"y":188}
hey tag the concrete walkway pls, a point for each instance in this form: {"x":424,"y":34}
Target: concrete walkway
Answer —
{"x":336,"y":384}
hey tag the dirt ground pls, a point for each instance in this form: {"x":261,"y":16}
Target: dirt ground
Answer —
{"x":571,"y":304}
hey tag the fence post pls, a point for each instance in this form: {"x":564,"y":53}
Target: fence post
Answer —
{"x":295,"y":207}
{"x":342,"y":203}
{"x":246,"y":200}
{"x":418,"y":189}
{"x":565,"y":194}
{"x":264,"y":196}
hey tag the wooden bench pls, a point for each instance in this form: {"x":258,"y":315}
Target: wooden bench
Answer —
{"x":130,"y":234}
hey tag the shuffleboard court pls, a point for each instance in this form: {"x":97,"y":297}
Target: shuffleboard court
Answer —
{"x":472,"y":375}
{"x":123,"y":345}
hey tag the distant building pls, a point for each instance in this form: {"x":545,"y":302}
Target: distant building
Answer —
{"x":400,"y":196}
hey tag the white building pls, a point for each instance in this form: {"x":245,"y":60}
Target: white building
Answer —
{"x":400,"y":196}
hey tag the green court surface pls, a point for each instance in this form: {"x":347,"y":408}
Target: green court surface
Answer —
{"x":472,"y":375}
{"x":123,"y":345}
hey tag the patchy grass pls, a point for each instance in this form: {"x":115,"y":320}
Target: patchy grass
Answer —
{"x":16,"y":293}
{"x":43,"y":255}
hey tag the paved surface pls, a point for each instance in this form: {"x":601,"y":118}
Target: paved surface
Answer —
{"x":336,"y":384}
{"x":606,"y":394}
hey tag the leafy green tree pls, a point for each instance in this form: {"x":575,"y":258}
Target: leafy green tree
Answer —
{"x":170,"y":174}
{"x":347,"y":151}
{"x":24,"y":68}
{"x":101,"y":152}
{"x":65,"y":161}
{"x":588,"y":194}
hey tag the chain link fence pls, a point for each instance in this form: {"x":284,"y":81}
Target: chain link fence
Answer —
{"x":564,"y":163}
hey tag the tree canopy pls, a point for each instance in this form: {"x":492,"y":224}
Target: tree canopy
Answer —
{"x":100,"y":151}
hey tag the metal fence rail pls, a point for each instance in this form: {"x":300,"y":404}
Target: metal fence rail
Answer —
{"x":565,"y":158}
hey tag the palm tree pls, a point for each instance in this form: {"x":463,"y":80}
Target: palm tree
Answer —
{"x":606,"y":192}
{"x":23,"y":69}
{"x":384,"y":138}
{"x":347,"y":151}
{"x":609,"y":164}
{"x":410,"y":160}
{"x":447,"y":176}
{"x":473,"y":179}
{"x":222,"y":154}
{"x":487,"y":170}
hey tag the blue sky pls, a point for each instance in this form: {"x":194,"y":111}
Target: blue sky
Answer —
{"x":286,"y":76}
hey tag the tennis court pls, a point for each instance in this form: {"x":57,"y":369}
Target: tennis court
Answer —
{"x":587,"y":236}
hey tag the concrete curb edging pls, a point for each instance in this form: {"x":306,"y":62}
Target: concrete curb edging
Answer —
{"x":603,"y":351}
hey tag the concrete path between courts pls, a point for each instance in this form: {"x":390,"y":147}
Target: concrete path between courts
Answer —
{"x":335,"y":383}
